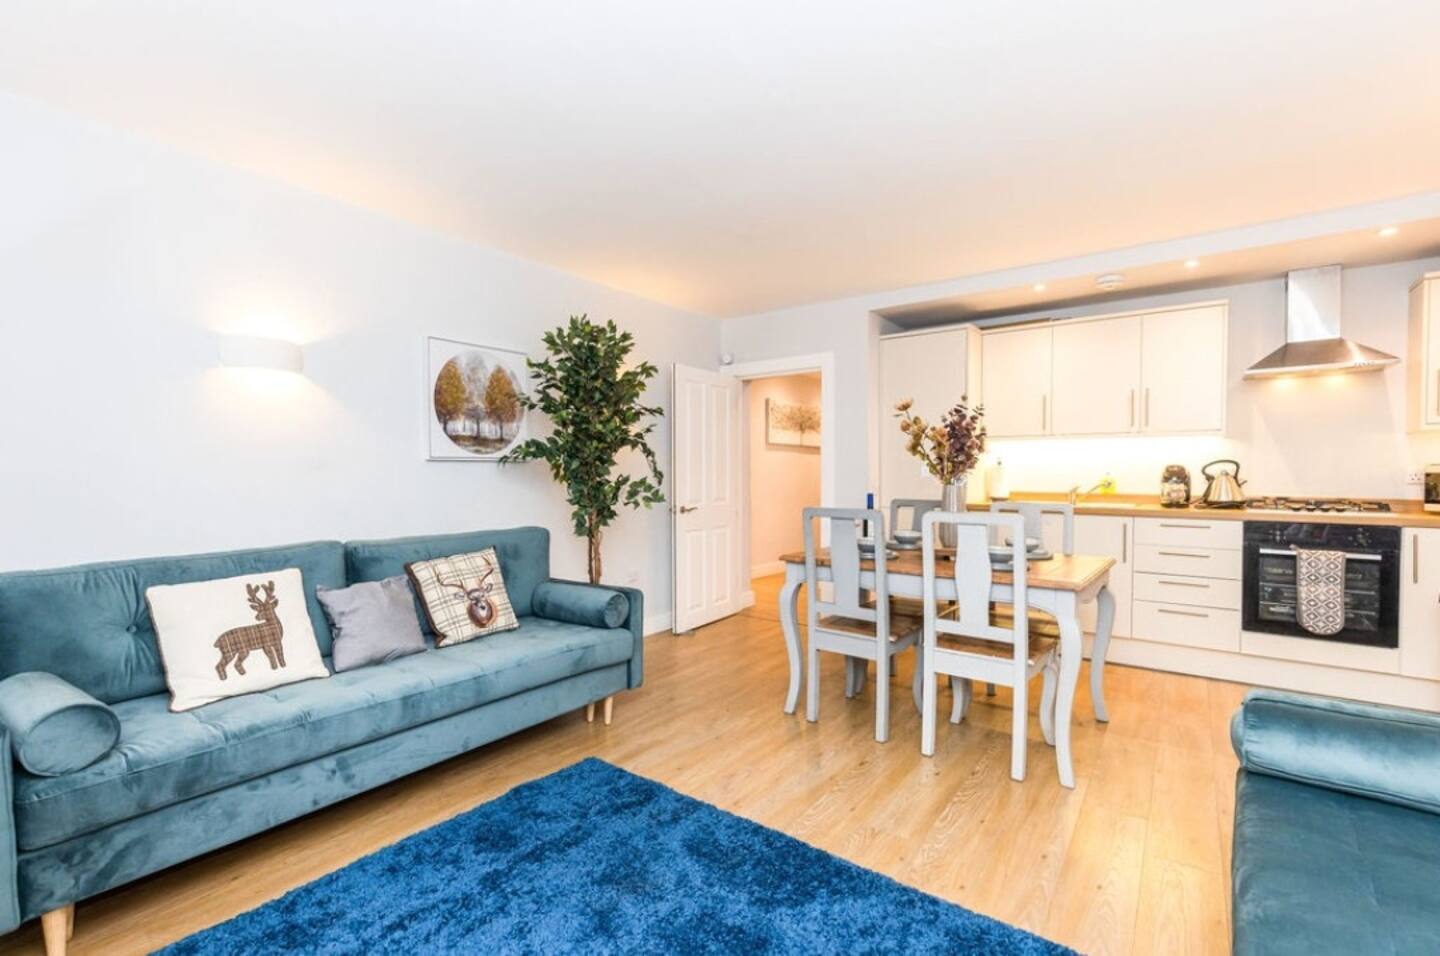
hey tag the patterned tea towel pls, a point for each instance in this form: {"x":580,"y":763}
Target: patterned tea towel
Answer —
{"x":1320,"y":590}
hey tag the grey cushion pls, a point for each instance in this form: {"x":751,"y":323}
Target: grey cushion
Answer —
{"x":373,"y":622}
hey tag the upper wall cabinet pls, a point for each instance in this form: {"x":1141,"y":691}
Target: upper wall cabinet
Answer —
{"x":1182,"y":366}
{"x":1096,"y":377}
{"x":935,"y":369}
{"x":1423,"y":361}
{"x":1015,"y":373}
{"x":1136,"y":373}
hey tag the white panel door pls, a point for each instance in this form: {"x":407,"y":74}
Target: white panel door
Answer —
{"x":1015,"y":380}
{"x":705,"y":499}
{"x":1096,"y":377}
{"x":1420,"y":603}
{"x":1182,"y":370}
{"x":931,"y":370}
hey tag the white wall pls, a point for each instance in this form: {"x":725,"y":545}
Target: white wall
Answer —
{"x":783,"y":478}
{"x":120,"y":261}
{"x":1323,"y":436}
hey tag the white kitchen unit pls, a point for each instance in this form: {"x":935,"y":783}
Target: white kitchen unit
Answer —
{"x":1423,"y":355}
{"x":1187,"y":582}
{"x":1157,"y":372}
{"x":1420,"y":603}
{"x":935,"y":369}
{"x":1015,"y":374}
{"x":1115,"y":538}
{"x":1096,"y":377}
{"x":1182,"y":365}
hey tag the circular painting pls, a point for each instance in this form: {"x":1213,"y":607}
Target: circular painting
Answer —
{"x":476,"y":403}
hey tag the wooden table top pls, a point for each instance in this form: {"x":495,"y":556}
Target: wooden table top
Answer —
{"x":1063,"y":572}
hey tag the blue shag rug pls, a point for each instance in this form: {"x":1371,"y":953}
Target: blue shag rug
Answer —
{"x":594,"y":859}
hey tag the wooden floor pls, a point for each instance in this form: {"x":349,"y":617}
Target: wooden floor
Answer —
{"x":1135,"y":859}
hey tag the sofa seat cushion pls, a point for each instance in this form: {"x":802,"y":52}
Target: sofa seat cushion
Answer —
{"x":1320,"y":871}
{"x":163,"y":757}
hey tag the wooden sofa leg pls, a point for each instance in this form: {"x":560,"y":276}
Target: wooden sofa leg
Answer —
{"x":590,"y":713}
{"x":57,"y":927}
{"x":609,"y":708}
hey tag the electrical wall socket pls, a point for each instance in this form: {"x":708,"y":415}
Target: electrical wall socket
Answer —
{"x":1414,"y":477}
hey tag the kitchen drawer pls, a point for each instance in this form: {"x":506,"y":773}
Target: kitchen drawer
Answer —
{"x":1186,"y":589}
{"x":1212,"y":628}
{"x":1190,"y":532}
{"x":1197,"y":562}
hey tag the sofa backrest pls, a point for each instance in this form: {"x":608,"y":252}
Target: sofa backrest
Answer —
{"x":91,"y":625}
{"x":524,"y":555}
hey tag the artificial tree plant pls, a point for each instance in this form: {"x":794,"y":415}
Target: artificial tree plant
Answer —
{"x":595,"y":405}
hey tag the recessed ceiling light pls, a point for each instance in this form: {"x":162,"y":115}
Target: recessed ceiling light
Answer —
{"x":1038,"y":287}
{"x":1192,"y":263}
{"x":1110,"y":280}
{"x":1388,"y":231}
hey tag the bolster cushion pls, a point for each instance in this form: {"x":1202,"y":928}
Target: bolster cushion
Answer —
{"x":55,"y":727}
{"x":586,"y":604}
{"x":1385,"y":753}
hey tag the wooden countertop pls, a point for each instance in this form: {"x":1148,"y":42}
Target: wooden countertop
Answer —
{"x":1063,"y":572}
{"x":1404,"y":513}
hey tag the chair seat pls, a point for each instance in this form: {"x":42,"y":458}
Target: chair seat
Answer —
{"x":1039,"y":646}
{"x":901,"y":625}
{"x":1003,"y":615}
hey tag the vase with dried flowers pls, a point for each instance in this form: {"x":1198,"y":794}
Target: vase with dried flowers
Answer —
{"x":950,"y":449}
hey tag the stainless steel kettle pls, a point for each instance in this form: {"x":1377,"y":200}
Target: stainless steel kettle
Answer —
{"x":1223,"y":486}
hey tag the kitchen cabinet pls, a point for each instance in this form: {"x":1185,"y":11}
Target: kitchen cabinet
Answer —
{"x":1187,"y":583}
{"x":1015,"y":378}
{"x":1182,"y":369}
{"x":1423,"y":354}
{"x":935,"y":370}
{"x":1115,"y":538}
{"x":1420,"y":603}
{"x":1096,"y":376}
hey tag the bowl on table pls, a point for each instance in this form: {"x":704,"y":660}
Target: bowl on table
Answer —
{"x":907,"y":537}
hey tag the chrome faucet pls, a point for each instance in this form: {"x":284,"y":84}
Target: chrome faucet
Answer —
{"x":1075,"y":494}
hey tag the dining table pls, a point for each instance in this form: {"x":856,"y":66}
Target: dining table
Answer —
{"x":1059,"y":585}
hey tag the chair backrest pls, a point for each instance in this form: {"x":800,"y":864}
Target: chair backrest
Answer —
{"x":917,"y":507}
{"x":974,"y":576}
{"x":847,"y":600}
{"x":1034,"y":513}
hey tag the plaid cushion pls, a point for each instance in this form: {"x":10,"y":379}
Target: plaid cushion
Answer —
{"x":463,"y":596}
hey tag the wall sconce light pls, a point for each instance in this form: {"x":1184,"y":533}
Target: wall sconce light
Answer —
{"x":248,"y":351}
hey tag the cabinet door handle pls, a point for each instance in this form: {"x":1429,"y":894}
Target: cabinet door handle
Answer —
{"x":1187,"y":525}
{"x":1132,"y":408}
{"x":1181,"y":554}
{"x":1184,"y":584}
{"x":1437,"y":391}
{"x":1044,"y":411}
{"x":1166,"y":610}
{"x":1414,"y":559}
{"x":1124,"y":544}
{"x":1147,"y":407}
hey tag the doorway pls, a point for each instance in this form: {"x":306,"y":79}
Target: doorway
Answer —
{"x":782,"y":465}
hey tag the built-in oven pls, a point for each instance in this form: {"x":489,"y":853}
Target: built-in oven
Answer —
{"x":1372,"y":579}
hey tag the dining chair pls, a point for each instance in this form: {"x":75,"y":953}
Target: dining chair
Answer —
{"x":963,"y":643}
{"x":915,"y":509}
{"x":1034,"y":513}
{"x":848,"y":623}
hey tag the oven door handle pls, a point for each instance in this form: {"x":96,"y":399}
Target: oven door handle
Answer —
{"x":1349,"y":555}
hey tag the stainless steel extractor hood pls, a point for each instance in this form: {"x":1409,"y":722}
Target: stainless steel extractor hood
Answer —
{"x":1313,"y":344}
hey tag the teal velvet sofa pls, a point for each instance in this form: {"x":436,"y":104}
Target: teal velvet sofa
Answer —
{"x":178,"y":785}
{"x":1337,"y":828}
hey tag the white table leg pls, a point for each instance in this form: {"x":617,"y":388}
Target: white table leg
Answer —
{"x":1104,"y":624}
{"x":789,"y":624}
{"x":1072,"y":647}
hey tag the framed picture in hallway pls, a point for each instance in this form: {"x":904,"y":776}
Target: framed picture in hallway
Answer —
{"x":472,"y":399}
{"x":792,"y":424}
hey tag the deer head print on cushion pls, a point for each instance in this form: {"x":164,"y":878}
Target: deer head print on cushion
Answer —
{"x":463,"y":595}
{"x":208,"y":630}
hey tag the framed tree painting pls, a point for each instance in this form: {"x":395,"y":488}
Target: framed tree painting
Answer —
{"x":472,"y":399}
{"x":792,"y":424}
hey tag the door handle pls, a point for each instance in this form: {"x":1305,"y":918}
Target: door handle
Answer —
{"x":1415,"y":559}
{"x":686,"y":509}
{"x":1132,"y":408}
{"x":1181,"y":554}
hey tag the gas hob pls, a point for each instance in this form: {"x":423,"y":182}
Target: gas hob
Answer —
{"x":1284,"y":505}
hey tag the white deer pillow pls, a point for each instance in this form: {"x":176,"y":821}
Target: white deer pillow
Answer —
{"x":233,"y":636}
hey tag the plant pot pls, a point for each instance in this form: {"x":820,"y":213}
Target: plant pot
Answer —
{"x":952,"y":498}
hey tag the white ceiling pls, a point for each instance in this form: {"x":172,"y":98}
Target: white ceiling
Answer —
{"x":746,"y":155}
